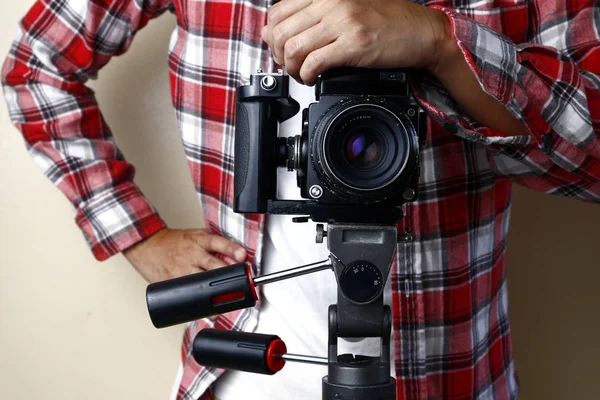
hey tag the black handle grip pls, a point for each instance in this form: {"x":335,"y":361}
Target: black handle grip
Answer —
{"x":255,"y":171}
{"x":242,"y":351}
{"x":201,"y":295}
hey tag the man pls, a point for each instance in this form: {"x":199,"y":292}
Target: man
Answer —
{"x":512,"y":90}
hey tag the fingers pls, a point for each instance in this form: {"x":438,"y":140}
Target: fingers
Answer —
{"x":172,"y":253}
{"x":229,"y":260}
{"x":277,"y":14}
{"x":219,"y":244}
{"x":207,"y":244}
{"x":304,"y":35}
{"x":300,"y":46}
{"x":327,"y":57}
{"x":294,"y":24}
{"x":206,"y":261}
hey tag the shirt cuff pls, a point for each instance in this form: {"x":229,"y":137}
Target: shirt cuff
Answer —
{"x":492,"y":57}
{"x":117,"y":219}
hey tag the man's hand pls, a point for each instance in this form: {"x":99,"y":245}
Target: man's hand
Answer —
{"x":312,"y":36}
{"x":171,"y":253}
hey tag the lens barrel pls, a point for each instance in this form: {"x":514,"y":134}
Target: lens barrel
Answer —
{"x":364,"y":149}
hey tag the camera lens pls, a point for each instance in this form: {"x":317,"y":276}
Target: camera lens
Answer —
{"x":364,"y":149}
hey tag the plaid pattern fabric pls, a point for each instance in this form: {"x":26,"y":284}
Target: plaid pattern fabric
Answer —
{"x":539,"y":58}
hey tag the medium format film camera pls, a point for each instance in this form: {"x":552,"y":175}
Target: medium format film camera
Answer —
{"x":359,"y":145}
{"x":356,"y":161}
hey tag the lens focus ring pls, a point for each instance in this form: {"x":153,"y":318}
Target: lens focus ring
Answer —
{"x":364,"y":149}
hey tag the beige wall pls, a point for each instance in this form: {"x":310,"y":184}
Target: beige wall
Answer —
{"x":72,"y":328}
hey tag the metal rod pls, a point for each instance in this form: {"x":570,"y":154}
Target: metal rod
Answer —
{"x":292,"y":273}
{"x":305,"y":359}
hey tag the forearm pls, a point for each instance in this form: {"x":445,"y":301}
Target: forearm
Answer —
{"x":454,"y":73}
{"x":553,"y":92}
{"x":56,"y":50}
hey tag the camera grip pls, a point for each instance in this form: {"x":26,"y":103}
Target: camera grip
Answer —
{"x":255,"y":172}
{"x":242,"y":149}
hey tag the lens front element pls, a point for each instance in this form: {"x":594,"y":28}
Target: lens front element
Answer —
{"x":364,"y":149}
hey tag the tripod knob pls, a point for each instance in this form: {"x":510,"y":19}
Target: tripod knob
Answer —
{"x":321,"y":233}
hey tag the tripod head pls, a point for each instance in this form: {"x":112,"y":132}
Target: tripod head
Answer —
{"x":360,"y":256}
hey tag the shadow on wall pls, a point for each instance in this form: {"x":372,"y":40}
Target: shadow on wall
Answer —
{"x":554,"y":294}
{"x":554,"y":249}
{"x":134,"y":96}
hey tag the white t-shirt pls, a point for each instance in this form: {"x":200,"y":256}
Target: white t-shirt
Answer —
{"x":294,"y":309}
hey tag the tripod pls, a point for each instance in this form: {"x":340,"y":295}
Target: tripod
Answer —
{"x":360,"y":256}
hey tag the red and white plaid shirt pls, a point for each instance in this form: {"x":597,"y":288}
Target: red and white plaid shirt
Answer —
{"x":539,"y":58}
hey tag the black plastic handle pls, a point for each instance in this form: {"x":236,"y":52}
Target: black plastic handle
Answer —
{"x":242,"y":351}
{"x":255,"y":171}
{"x":201,"y":295}
{"x":259,"y":108}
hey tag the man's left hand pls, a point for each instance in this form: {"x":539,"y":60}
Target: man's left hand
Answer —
{"x":312,"y":36}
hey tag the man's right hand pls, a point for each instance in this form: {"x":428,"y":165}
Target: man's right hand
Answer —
{"x":171,"y":253}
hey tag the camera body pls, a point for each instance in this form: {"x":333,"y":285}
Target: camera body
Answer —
{"x":362,"y":136}
{"x":359,"y":144}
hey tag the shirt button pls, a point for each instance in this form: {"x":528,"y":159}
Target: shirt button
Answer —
{"x":406,"y":237}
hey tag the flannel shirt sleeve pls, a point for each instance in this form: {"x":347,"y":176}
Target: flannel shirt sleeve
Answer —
{"x":551,"y":83}
{"x":59,"y":46}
